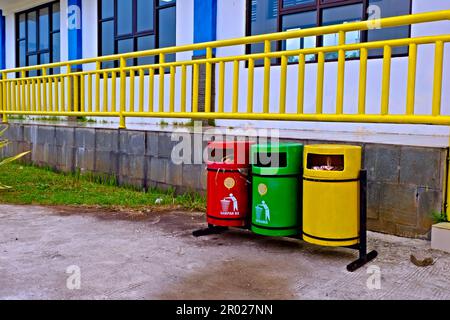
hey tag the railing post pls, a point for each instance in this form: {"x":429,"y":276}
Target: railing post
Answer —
{"x":362,"y":81}
{"x":235,"y":103}
{"x":123,"y":84}
{"x":69,"y":89}
{"x":283,"y":84}
{"x":44,"y":90}
{"x":438,"y":76}
{"x":3,"y":88}
{"x":320,"y":82}
{"x":162,"y":59}
{"x":341,"y":75}
{"x":411,"y":87}
{"x":267,"y":65}
{"x":386,"y":82}
{"x":208,"y":78}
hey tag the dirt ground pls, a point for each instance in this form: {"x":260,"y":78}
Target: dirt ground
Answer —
{"x":154,"y":256}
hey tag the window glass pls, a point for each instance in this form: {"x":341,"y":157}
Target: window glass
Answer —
{"x":265,"y":16}
{"x":389,"y":8}
{"x":22,"y":54}
{"x":137,"y":25}
{"x":166,"y":2}
{"x":144,"y":15}
{"x":124,"y":17}
{"x":341,"y":15}
{"x":56,"y":46}
{"x":22,"y":28}
{"x":32,"y":30}
{"x":107,"y":38}
{"x":43,"y":29}
{"x":56,"y":17}
{"x":146,"y":43}
{"x":39,"y":35}
{"x":299,"y":21}
{"x":44,"y":58}
{"x":124,"y":46}
{"x":263,"y":20}
{"x":56,"y":50}
{"x":167,"y":30}
{"x":32,"y":61}
{"x":107,"y":44}
{"x":292,"y":3}
{"x":107,"y":8}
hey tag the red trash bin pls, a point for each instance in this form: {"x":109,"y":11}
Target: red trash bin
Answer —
{"x":228,"y":186}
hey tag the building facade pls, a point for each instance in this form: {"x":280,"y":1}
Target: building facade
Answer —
{"x":38,"y":32}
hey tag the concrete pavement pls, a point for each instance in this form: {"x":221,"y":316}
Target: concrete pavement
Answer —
{"x":153,"y":256}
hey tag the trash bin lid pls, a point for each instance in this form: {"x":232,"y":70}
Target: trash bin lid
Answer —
{"x":277,"y":159}
{"x":332,"y":162}
{"x":228,"y":155}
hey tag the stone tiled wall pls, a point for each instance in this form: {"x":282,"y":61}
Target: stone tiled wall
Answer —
{"x":405,"y":183}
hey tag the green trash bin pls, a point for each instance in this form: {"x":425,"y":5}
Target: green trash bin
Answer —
{"x":276,"y":189}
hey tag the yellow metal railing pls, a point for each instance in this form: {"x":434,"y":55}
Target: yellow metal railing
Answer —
{"x":100,"y":91}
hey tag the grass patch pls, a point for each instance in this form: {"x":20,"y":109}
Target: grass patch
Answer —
{"x":38,"y":186}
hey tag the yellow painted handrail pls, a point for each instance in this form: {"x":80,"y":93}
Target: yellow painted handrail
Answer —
{"x":88,"y":88}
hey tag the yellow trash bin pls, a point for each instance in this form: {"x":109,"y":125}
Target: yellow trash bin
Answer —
{"x":331,"y":195}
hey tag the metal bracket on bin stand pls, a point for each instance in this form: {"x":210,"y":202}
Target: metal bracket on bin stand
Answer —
{"x":364,"y":256}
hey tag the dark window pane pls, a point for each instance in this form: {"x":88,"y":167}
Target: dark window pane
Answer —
{"x":166,"y":2}
{"x":298,"y":21}
{"x":263,"y":20}
{"x":107,"y":38}
{"x":43,"y":29}
{"x":341,"y":15}
{"x":124,"y":46}
{"x":124,"y":17}
{"x":167,"y":30}
{"x":291,"y":3}
{"x":264,"y":16}
{"x":144,"y":15}
{"x":146,"y":43}
{"x":107,"y":42}
{"x":56,"y":17}
{"x":56,"y":51}
{"x":107,"y":9}
{"x":56,"y":47}
{"x":44,"y":58}
{"x":22,"y":54}
{"x":32,"y":30}
{"x":32,"y":61}
{"x":389,"y":8}
{"x":22,"y":28}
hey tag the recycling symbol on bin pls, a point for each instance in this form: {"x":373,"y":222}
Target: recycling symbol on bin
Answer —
{"x":229,"y":205}
{"x":262,"y":210}
{"x":262,"y":213}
